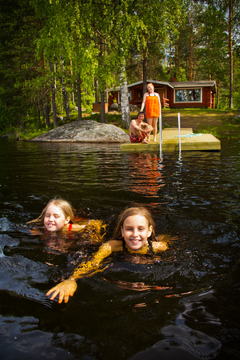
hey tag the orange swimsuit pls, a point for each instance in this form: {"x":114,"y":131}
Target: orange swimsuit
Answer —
{"x":152,"y":107}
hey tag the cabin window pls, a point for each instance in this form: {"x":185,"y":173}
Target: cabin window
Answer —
{"x":188,"y":95}
{"x":181,"y":95}
{"x":194,"y":95}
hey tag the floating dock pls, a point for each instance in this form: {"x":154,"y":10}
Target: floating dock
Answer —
{"x":170,"y":142}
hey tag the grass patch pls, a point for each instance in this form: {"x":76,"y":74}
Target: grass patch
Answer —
{"x":224,"y":124}
{"x":228,"y":131}
{"x":227,"y":124}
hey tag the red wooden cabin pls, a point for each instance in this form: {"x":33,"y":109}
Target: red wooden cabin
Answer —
{"x":173,"y":94}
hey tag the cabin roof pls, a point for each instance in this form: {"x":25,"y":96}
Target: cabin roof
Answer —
{"x":175,"y":84}
{"x":151,"y":81}
{"x":117,"y":88}
{"x":191,"y":84}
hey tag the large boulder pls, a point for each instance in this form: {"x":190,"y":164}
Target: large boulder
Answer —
{"x":85,"y":131}
{"x":114,"y":107}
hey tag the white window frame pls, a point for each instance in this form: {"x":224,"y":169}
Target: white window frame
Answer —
{"x":188,"y":101}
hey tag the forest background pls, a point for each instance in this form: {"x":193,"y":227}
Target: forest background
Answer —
{"x":57,"y":56}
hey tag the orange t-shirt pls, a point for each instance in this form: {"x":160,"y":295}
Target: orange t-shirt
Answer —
{"x":152,"y":107}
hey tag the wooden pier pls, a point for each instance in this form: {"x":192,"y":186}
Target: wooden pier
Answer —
{"x":170,"y":142}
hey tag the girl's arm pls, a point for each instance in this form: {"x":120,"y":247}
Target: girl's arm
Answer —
{"x":144,"y":100}
{"x":159,"y":246}
{"x":159,"y":101}
{"x":78,"y":227}
{"x":68,"y":287}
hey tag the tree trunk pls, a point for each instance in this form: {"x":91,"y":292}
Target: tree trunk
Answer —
{"x":103,"y":115}
{"x":79,"y":98}
{"x":53,"y":89}
{"x":46,"y":114}
{"x":218,"y":92}
{"x":126,"y":119}
{"x":230,"y":55}
{"x":65,"y":93}
{"x":144,"y":73}
{"x":72,"y":95}
{"x":170,"y":61}
{"x":38,"y":113}
{"x":191,"y":46}
{"x":39,"y":117}
{"x":194,"y":67}
{"x":155,"y":67}
{"x":178,"y":58}
{"x":96,"y":91}
{"x":54,"y":105}
{"x":139,"y":70}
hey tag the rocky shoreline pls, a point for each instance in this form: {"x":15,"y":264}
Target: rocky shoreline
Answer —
{"x":86,"y":131}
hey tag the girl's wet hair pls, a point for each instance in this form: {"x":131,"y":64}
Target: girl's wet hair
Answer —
{"x":63,"y":205}
{"x":131,"y":212}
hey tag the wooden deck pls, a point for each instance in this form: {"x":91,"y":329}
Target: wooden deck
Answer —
{"x":170,"y":142}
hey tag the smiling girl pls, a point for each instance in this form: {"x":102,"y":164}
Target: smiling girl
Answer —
{"x":135,"y":232}
{"x":58,"y":215}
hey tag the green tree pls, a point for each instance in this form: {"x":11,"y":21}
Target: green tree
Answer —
{"x":18,"y":64}
{"x":160,"y":19}
{"x":230,"y":11}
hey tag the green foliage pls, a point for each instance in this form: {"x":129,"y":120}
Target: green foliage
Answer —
{"x":45,"y":44}
{"x":5,"y":116}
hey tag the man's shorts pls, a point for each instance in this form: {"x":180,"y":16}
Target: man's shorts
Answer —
{"x":135,"y":138}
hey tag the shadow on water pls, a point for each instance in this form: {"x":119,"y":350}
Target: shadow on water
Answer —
{"x":182,"y":304}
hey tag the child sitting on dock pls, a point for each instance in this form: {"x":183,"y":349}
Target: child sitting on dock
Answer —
{"x":139,"y":130}
{"x":135,"y":232}
{"x":58,"y":215}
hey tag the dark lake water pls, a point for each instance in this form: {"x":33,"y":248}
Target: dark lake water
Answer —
{"x":194,"y":200}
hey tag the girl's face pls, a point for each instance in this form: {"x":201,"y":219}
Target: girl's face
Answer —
{"x":150,"y":88}
{"x":135,"y":231}
{"x":54,"y":218}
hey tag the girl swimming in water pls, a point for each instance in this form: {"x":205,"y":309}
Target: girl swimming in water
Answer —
{"x":135,"y":232}
{"x":58,"y":215}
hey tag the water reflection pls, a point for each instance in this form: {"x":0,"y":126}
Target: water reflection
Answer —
{"x":145,"y":173}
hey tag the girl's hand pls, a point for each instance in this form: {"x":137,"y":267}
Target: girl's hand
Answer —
{"x":64,"y":290}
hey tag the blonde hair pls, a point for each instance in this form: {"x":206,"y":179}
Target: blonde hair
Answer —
{"x":63,"y":205}
{"x":131,"y":212}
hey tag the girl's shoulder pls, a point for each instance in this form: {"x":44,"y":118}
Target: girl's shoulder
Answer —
{"x":153,"y":94}
{"x":74,"y":227}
